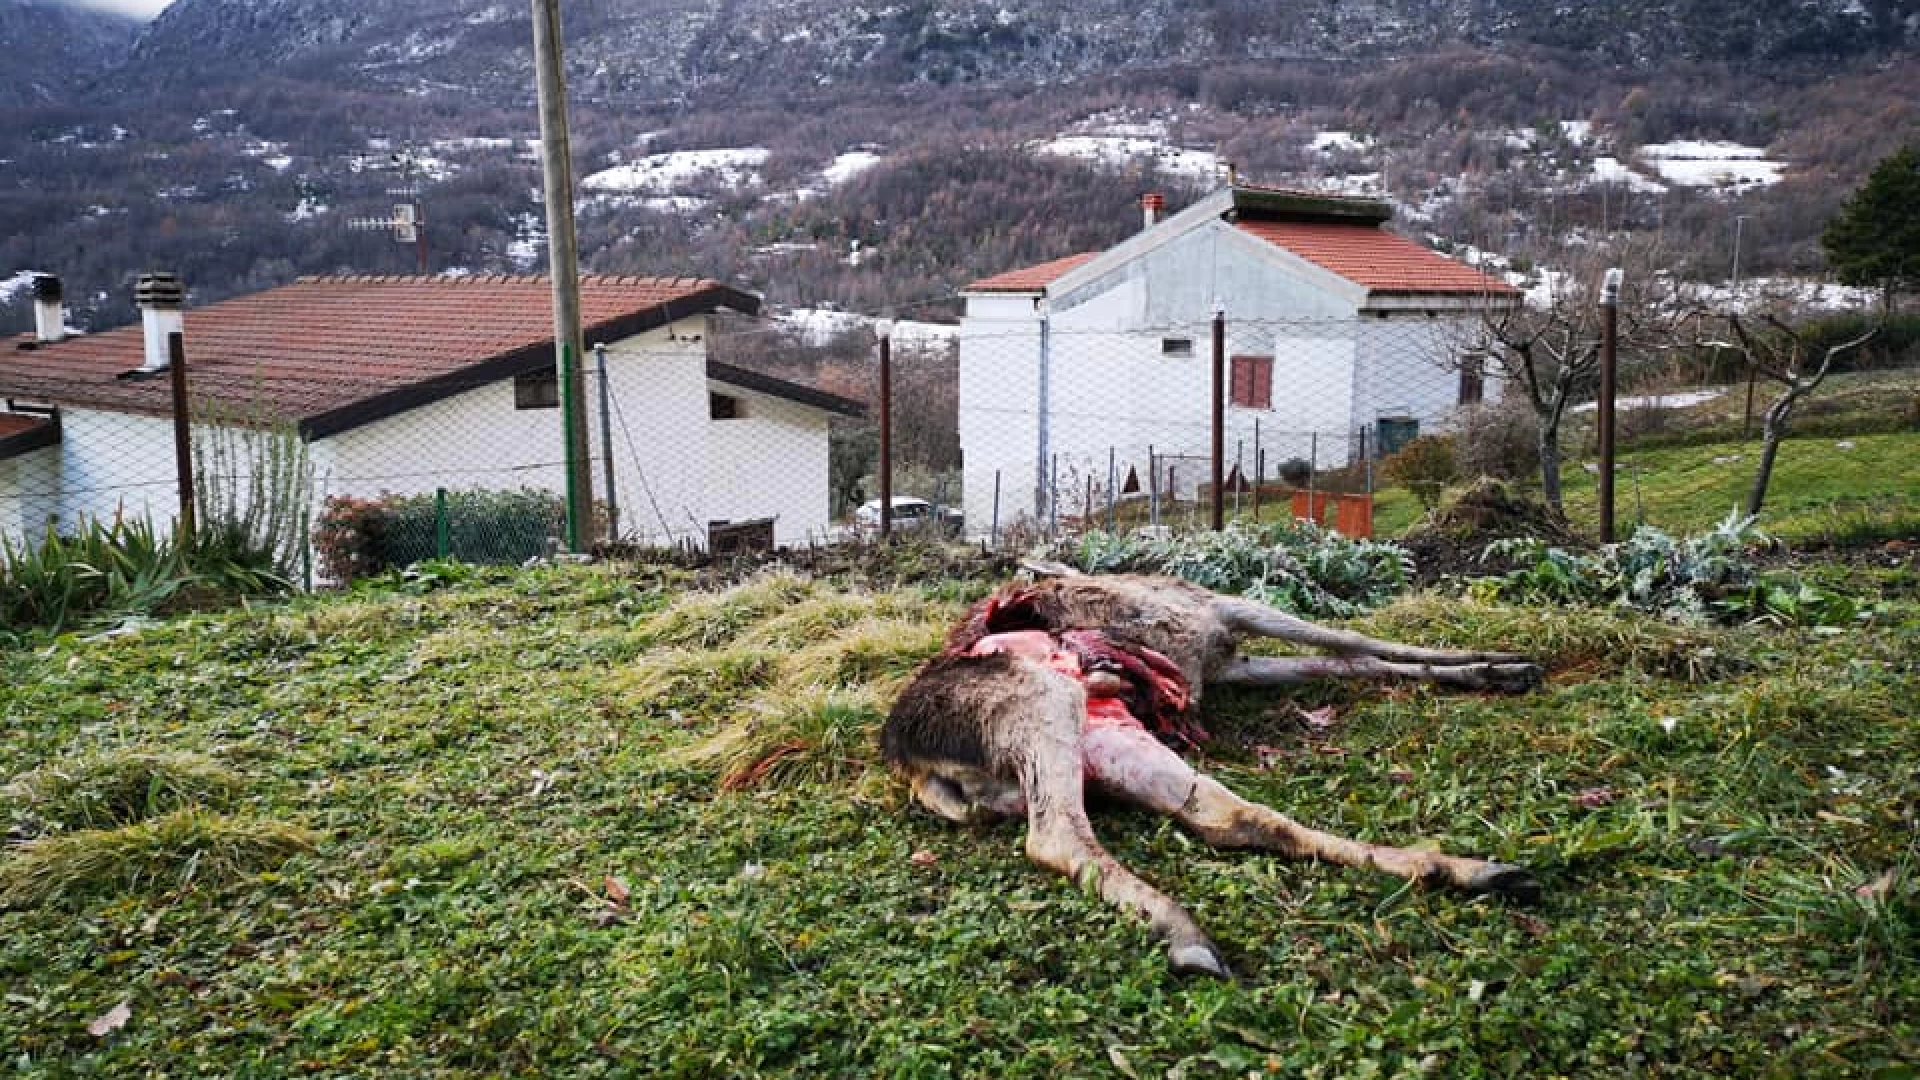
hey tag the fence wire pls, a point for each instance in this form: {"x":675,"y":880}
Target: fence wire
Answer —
{"x":999,"y":433}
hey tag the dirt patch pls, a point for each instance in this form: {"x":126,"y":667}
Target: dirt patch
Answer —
{"x":1450,"y":540}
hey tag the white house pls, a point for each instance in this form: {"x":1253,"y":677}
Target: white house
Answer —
{"x":408,"y":384}
{"x":1341,"y":340}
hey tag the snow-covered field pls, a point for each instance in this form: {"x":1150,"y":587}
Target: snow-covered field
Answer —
{"x":1696,"y":163}
{"x":1117,"y":141}
{"x":818,"y":326}
{"x":668,"y":174}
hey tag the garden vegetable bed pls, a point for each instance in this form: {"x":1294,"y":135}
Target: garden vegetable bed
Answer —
{"x":594,"y":821}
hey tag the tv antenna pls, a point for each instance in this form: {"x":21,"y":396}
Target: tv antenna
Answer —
{"x":408,"y":220}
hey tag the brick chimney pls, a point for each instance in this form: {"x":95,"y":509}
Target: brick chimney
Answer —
{"x":1151,"y":204}
{"x":162,"y":300}
{"x":49,"y":316}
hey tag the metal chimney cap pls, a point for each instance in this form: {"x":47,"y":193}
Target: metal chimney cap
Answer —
{"x":159,"y":290}
{"x":47,"y":289}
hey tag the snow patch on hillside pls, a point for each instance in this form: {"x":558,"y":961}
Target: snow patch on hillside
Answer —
{"x":1121,"y":151}
{"x":1609,"y":170}
{"x":667,"y":174}
{"x":820,"y":326}
{"x":1700,"y":163}
{"x":1335,"y":142}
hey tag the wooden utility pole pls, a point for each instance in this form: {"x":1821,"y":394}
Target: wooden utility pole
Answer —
{"x":563,"y":262}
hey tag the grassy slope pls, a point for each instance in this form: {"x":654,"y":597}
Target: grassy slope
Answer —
{"x":480,"y":759}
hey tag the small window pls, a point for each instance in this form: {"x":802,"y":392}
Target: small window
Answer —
{"x":1395,"y":432}
{"x":1473,"y":383}
{"x":1252,"y":382}
{"x":1176,"y":346}
{"x":536,"y":390}
{"x":724,"y":407}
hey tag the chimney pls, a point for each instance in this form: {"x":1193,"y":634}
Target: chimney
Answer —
{"x":1151,"y":204}
{"x":49,"y":317}
{"x":162,"y":299}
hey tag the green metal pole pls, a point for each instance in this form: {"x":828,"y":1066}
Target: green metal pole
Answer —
{"x":576,"y":441}
{"x":441,"y":542}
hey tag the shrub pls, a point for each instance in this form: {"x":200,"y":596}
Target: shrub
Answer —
{"x":1425,"y":467}
{"x":1500,"y":439}
{"x":358,"y":538}
{"x":1296,"y":472}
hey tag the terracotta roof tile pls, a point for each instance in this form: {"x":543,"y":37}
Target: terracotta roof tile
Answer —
{"x":1031,"y":278}
{"x":330,"y":344}
{"x":1373,"y":257}
{"x":19,"y":424}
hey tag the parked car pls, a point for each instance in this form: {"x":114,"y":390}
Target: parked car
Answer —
{"x":910,"y":514}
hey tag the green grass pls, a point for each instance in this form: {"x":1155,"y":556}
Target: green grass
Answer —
{"x":1820,"y":490}
{"x":524,"y":860}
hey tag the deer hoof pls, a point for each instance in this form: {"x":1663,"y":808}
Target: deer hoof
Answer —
{"x":1505,"y":880}
{"x":1198,"y":958}
{"x":1517,"y":678}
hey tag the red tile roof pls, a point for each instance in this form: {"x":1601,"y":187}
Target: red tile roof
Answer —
{"x":1371,"y":256}
{"x":1032,"y":278}
{"x":334,"y":352}
{"x":22,"y":433}
{"x":12,"y":424}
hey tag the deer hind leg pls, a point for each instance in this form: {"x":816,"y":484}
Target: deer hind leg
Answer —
{"x":1060,"y":837}
{"x":1133,"y":765}
{"x":1247,"y":617}
{"x":1512,"y":678}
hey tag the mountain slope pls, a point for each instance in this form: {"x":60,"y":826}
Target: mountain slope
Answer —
{"x":52,"y":49}
{"x":639,"y":50}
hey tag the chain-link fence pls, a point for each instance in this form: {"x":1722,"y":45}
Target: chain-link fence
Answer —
{"x":749,"y":436}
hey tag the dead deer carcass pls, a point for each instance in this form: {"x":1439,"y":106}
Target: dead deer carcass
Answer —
{"x":1046,"y":688}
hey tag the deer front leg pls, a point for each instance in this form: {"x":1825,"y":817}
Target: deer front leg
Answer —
{"x":1133,"y":765}
{"x":1512,"y":678}
{"x":1060,"y":838}
{"x":1247,"y":617}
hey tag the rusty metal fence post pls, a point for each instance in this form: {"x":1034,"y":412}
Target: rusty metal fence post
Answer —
{"x":1217,"y":511}
{"x":885,"y":329}
{"x":182,"y":431}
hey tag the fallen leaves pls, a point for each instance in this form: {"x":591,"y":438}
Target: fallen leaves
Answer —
{"x":1596,"y":797}
{"x":110,"y":1021}
{"x":923,"y":857}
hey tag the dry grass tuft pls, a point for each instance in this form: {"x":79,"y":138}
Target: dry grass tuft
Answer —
{"x":175,"y":850}
{"x":822,"y":735}
{"x":1592,"y":640}
{"x":120,"y":787}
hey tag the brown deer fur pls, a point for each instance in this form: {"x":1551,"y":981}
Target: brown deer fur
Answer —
{"x":984,"y":738}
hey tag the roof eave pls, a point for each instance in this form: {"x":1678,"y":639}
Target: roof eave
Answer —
{"x":773,"y":386}
{"x":536,"y":357}
{"x":38,"y":437}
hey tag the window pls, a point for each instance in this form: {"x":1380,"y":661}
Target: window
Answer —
{"x":536,"y":390}
{"x":1176,"y":346}
{"x":1473,"y":383}
{"x":1252,"y":382}
{"x":724,"y":407}
{"x":1394,"y":433}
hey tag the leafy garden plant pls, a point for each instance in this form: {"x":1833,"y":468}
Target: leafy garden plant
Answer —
{"x":1295,"y":566}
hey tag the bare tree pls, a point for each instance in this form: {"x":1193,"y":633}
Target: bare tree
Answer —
{"x":1549,"y":346}
{"x":1780,"y":352}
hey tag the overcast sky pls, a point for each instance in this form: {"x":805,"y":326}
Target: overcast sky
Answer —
{"x":146,"y":9}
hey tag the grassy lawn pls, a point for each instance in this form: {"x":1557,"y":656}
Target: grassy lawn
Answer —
{"x":590,"y":821}
{"x":1823,"y":487}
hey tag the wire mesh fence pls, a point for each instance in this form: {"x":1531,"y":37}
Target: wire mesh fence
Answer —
{"x":998,"y":433}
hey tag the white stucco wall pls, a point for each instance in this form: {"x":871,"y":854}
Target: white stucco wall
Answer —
{"x":1112,"y":387}
{"x":770,"y":461}
{"x":674,"y":467}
